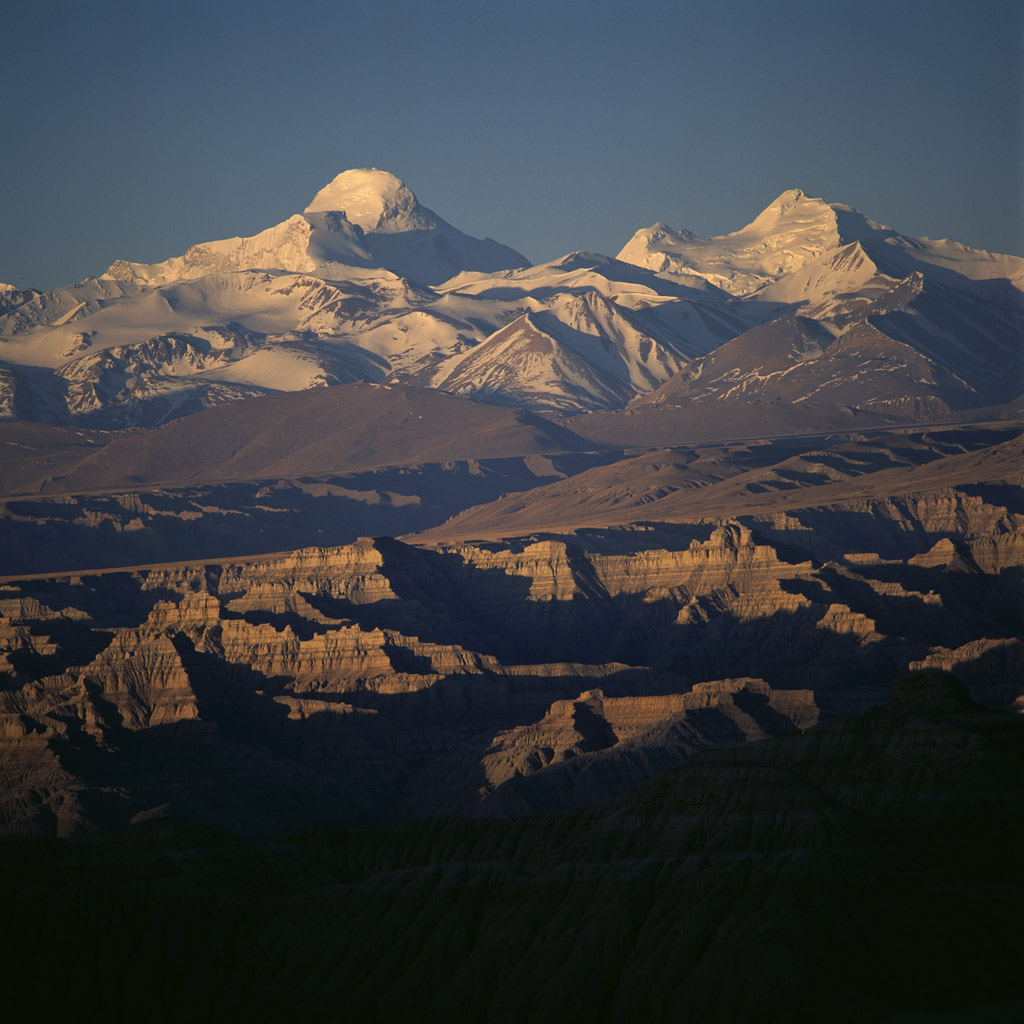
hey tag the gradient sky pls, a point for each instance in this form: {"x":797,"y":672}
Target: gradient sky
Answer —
{"x":133,"y":130}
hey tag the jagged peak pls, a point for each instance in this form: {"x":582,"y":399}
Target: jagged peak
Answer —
{"x":535,"y":322}
{"x":531,"y":318}
{"x":795,"y":214}
{"x":659,"y":231}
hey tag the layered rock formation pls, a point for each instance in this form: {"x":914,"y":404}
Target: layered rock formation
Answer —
{"x":379,"y":681}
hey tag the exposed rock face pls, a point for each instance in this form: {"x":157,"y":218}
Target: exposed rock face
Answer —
{"x":379,"y":681}
{"x":542,"y":766}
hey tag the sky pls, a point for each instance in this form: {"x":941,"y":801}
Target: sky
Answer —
{"x":135,"y":129}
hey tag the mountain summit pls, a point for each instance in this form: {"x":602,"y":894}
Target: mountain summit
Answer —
{"x":374,"y":200}
{"x":796,"y":229}
{"x":789,"y":232}
{"x":363,"y":218}
{"x":810,"y":302}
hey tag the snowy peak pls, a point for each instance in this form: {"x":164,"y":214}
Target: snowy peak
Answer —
{"x":571,"y":352}
{"x":661,"y":232}
{"x":530,"y":363}
{"x":815,"y":221}
{"x":658,"y":237}
{"x":826,"y":257}
{"x":374,"y":200}
{"x":364,"y":219}
{"x":12,"y":296}
{"x":794,"y":212}
{"x":366,"y":282}
{"x":790,"y":197}
{"x":791,"y":231}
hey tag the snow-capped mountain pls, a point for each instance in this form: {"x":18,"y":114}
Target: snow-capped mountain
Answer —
{"x":788,"y":233}
{"x":11,"y":296}
{"x":363,"y":218}
{"x":581,"y":351}
{"x":864,"y":317}
{"x":796,"y":230}
{"x":367,"y":284}
{"x":909,"y":347}
{"x":317,"y":301}
{"x":588,"y":333}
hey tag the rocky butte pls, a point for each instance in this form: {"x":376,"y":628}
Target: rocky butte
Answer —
{"x":386,"y":623}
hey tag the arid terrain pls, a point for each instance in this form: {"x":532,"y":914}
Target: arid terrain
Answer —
{"x":387,"y":624}
{"x":691,"y":596}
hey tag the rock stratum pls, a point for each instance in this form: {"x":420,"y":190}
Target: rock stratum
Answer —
{"x":381,"y":681}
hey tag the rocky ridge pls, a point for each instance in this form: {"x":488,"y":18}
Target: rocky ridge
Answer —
{"x":390,"y":674}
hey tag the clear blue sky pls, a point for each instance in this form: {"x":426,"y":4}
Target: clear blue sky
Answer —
{"x":134,"y":129}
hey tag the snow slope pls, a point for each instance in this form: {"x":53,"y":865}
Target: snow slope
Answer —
{"x":363,"y":218}
{"x":368,"y":284}
{"x":795,"y":230}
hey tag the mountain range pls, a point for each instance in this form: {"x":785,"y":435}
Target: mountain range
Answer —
{"x":388,"y":624}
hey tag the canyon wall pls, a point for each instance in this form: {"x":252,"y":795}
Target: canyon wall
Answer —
{"x":381,"y":681}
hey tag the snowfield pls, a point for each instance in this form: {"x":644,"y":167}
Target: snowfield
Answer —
{"x":367,"y":284}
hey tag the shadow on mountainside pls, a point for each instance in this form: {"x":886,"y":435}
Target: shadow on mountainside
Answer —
{"x":366,"y":757}
{"x":453,"y":708}
{"x":85,"y":531}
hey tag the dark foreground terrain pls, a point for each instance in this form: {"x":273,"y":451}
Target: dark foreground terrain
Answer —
{"x":865,"y":870}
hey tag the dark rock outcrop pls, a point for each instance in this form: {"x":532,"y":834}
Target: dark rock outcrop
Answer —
{"x":379,"y":682}
{"x":859,"y":872}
